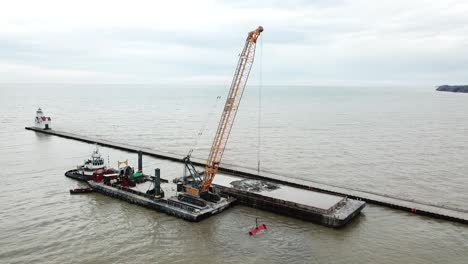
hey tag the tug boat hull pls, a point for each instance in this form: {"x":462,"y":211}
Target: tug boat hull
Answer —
{"x":75,"y":174}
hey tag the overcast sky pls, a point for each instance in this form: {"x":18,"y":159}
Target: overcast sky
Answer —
{"x":321,"y":42}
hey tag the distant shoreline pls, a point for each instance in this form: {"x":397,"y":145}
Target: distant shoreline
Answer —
{"x":453,"y":88}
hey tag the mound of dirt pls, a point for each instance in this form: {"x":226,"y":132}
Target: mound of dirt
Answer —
{"x":254,"y":185}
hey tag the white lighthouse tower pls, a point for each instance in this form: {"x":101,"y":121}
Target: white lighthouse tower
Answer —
{"x":42,"y":121}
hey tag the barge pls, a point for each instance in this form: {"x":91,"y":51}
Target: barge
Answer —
{"x":151,"y":194}
{"x":322,"y":208}
{"x":171,"y":206}
{"x":144,"y":190}
{"x":151,"y":191}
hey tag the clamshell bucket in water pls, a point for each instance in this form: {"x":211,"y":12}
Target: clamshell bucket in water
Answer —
{"x":257,"y":229}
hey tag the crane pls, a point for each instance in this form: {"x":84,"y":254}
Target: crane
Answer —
{"x":202,"y":182}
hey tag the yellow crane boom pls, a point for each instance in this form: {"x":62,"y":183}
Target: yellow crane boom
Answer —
{"x":228,"y":115}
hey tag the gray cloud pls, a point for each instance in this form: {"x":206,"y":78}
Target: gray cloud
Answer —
{"x":305,"y":42}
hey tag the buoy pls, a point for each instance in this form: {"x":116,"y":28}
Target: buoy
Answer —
{"x":413,"y":210}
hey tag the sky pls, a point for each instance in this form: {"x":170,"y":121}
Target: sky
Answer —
{"x":315,"y":42}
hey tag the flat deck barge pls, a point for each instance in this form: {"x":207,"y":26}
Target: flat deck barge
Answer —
{"x":171,"y":206}
{"x":415,"y":207}
{"x":138,"y":194}
{"x":326,"y":209}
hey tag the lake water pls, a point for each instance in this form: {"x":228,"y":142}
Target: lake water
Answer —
{"x":399,"y":141}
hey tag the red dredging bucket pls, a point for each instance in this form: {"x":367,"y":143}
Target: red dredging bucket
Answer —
{"x":257,"y":229}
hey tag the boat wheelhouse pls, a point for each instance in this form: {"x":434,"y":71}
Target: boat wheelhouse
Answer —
{"x":93,"y":166}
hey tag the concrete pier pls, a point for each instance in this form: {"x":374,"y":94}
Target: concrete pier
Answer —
{"x":415,"y":207}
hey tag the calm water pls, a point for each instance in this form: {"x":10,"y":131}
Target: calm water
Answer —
{"x":410,"y":143}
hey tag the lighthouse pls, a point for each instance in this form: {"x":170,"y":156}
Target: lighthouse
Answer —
{"x":42,"y":121}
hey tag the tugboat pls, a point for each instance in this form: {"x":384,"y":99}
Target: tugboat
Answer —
{"x":93,"y":168}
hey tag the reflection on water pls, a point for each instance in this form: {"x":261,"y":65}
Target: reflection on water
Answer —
{"x":42,"y":137}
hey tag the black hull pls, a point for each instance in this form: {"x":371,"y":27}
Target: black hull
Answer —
{"x":77,"y":176}
{"x":81,"y":190}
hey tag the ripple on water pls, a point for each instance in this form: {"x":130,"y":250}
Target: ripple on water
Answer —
{"x":396,"y":142}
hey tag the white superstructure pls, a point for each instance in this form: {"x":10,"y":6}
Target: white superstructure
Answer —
{"x":42,"y":121}
{"x":94,"y":165}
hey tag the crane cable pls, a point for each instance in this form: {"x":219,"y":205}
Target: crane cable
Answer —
{"x":260,"y":106}
{"x":204,"y":124}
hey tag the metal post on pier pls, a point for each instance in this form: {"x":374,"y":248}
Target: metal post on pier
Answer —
{"x":157,"y":182}
{"x":140,"y":161}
